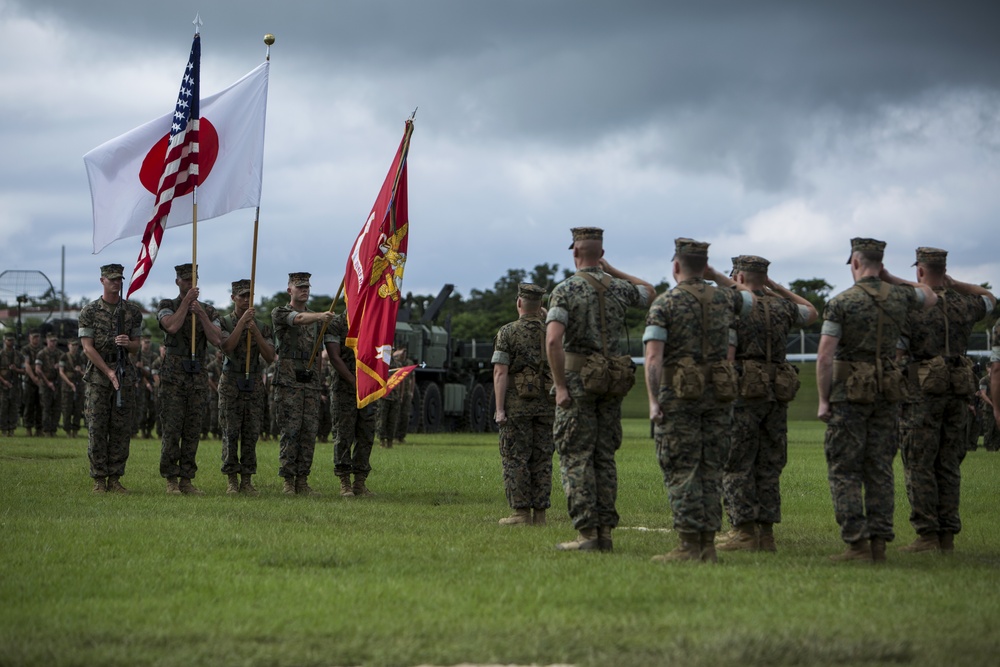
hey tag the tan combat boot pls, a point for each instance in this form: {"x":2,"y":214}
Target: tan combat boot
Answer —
{"x":172,"y":488}
{"x":604,"y":541}
{"x":745,"y":539}
{"x":247,"y":487}
{"x":923,"y":543}
{"x":708,"y":554}
{"x":115,"y":486}
{"x":233,"y":485}
{"x":346,"y":490}
{"x":100,"y":485}
{"x":538,"y":517}
{"x":689,"y":549}
{"x":765,"y":537}
{"x":302,"y":487}
{"x":878,"y":550}
{"x":359,"y":487}
{"x":859,"y":550}
{"x":520,"y":517}
{"x":188,"y":488}
{"x":586,"y":540}
{"x":288,"y":486}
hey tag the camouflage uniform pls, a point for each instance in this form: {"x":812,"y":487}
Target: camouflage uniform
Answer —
{"x":241,"y":413}
{"x":10,"y":387}
{"x":933,"y":425}
{"x":405,"y":403}
{"x":213,"y":372}
{"x":387,"y":409}
{"x":759,"y":448}
{"x":146,"y":407}
{"x":47,"y":370}
{"x":353,"y":427}
{"x":692,"y":442}
{"x":589,"y":432}
{"x":30,"y":399}
{"x":860,"y":438}
{"x":526,"y":444}
{"x":296,"y":399}
{"x":73,"y":400}
{"x":109,"y":426}
{"x":183,"y":394}
{"x":154,"y":371}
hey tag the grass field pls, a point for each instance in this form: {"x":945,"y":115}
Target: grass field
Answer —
{"x":422,"y":573}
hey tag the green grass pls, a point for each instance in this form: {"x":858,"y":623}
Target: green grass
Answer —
{"x":422,"y":574}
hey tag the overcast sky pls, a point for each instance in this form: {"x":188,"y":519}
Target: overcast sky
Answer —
{"x":773,"y":128}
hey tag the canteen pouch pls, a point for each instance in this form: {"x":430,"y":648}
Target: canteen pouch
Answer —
{"x":621,"y":375}
{"x":934,"y":376}
{"x":594,"y":374}
{"x":725,"y":381}
{"x":529,"y":383}
{"x":754,"y":381}
{"x":689,"y":381}
{"x":893,"y":384}
{"x":861,"y":384}
{"x":786,"y":382}
{"x":963,"y":379}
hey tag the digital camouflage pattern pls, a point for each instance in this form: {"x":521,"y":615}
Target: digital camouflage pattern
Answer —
{"x":693,"y":441}
{"x":47,"y":370}
{"x":72,"y":401}
{"x":109,"y":427}
{"x":296,"y":403}
{"x":526,"y":443}
{"x":30,"y":401}
{"x":353,"y":429}
{"x":242,"y":413}
{"x":387,"y":410}
{"x":860,"y":440}
{"x":589,"y":432}
{"x":146,"y":392}
{"x":183,"y":395}
{"x":10,"y":386}
{"x":933,"y":427}
{"x":759,"y":448}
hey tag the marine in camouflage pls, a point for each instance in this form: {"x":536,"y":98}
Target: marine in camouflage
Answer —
{"x":353,"y":428}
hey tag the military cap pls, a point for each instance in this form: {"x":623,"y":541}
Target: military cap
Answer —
{"x":752,"y":263}
{"x":865,"y":245}
{"x":530,"y":292}
{"x":52,"y":336}
{"x":184,"y":271}
{"x":586,"y":234}
{"x":34,"y":332}
{"x":683,"y":246}
{"x":8,"y":334}
{"x":112,"y":271}
{"x":73,"y":341}
{"x":241,"y":287}
{"x":300,"y":279}
{"x":931,"y":256}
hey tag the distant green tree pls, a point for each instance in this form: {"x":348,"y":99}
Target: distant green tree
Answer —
{"x":817,"y":292}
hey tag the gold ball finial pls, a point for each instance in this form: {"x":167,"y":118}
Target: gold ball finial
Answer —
{"x":269,"y":39}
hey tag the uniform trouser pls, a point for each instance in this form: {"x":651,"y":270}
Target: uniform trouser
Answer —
{"x":182,"y":408}
{"x":10,"y":405}
{"x":932,"y":446}
{"x":73,"y":401}
{"x":587,"y":434}
{"x":353,"y":435}
{"x":146,"y":419}
{"x":297,"y":413}
{"x":109,"y":430}
{"x":241,"y":419}
{"x":757,"y":455}
{"x":48,"y":398}
{"x":526,"y":456}
{"x":691,"y":445}
{"x":860,"y":444}
{"x":32,"y":406}
{"x":388,"y":418}
{"x":403,"y":420}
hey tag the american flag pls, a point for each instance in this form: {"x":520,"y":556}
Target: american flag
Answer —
{"x":180,"y":165}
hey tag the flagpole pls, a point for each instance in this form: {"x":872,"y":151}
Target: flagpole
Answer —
{"x":322,"y":329}
{"x":194,"y":261}
{"x":253,"y":281}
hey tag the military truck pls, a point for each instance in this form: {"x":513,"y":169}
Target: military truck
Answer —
{"x":454,"y":381}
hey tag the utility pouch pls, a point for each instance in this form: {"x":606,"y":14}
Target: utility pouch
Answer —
{"x":621,"y":375}
{"x":689,"y":380}
{"x":725,"y":381}
{"x":786,"y":382}
{"x":934,"y":376}
{"x":192,"y":366}
{"x":963,"y":379}
{"x":303,"y":375}
{"x":594,"y":374}
{"x":861,"y":384}
{"x":529,"y":383}
{"x":893,"y":384}
{"x":754,"y":381}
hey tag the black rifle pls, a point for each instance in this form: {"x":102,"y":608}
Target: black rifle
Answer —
{"x":120,"y":368}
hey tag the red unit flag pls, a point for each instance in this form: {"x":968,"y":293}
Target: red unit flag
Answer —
{"x":374,"y":277}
